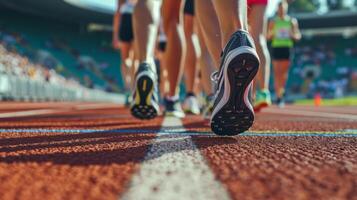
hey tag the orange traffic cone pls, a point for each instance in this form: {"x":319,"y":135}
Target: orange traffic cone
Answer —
{"x":317,"y":99}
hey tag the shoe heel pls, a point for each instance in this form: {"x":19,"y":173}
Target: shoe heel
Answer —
{"x":144,"y":89}
{"x":143,"y":108}
{"x":241,"y":71}
{"x":237,"y":115}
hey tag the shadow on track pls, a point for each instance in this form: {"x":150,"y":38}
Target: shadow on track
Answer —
{"x":96,"y":148}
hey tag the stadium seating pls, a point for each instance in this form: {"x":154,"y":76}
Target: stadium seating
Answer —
{"x":332,"y":56}
{"x":67,"y":44}
{"x":22,"y":80}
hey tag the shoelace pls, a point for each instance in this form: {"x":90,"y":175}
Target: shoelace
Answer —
{"x":214,"y":76}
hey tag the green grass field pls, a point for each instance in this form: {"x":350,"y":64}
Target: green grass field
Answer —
{"x":346,"y":101}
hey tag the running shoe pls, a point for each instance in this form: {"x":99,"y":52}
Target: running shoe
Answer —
{"x":191,"y":105}
{"x":262,"y":100}
{"x":280,"y":102}
{"x":128,"y":99}
{"x":145,"y":98}
{"x":208,"y":107}
{"x":173,"y":108}
{"x":232,"y":110}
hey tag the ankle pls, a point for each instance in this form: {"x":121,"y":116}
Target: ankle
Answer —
{"x":172,"y":98}
{"x":190,"y":94}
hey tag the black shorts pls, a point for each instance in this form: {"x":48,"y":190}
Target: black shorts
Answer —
{"x":189,"y":8}
{"x":126,"y":28}
{"x":281,"y":53}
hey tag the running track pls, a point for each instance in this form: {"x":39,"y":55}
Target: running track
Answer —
{"x":98,"y":151}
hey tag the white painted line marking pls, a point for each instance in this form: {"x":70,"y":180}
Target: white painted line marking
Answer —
{"x":174,"y":169}
{"x":36,"y":112}
{"x":350,"y":130}
{"x":340,"y":133}
{"x":310,"y":113}
{"x":31,"y":113}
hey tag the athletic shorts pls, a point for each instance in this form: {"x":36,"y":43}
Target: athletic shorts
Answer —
{"x":255,"y":2}
{"x":281,"y":53}
{"x":189,"y":8}
{"x":126,"y":28}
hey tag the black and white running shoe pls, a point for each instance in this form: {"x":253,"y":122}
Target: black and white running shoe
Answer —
{"x":232,"y":111}
{"x":173,"y":108}
{"x":145,"y":97}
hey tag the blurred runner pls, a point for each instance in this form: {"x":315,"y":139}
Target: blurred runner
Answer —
{"x":190,"y":104}
{"x":283,"y":31}
{"x":159,"y":55}
{"x":209,"y":35}
{"x":257,"y":21}
{"x":239,"y":63}
{"x":206,"y":67}
{"x":146,"y":21}
{"x":123,"y":40}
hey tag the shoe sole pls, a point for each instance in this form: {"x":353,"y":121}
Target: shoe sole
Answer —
{"x":234,"y":113}
{"x":143,"y":107}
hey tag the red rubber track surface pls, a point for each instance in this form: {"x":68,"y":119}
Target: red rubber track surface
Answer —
{"x":54,"y":165}
{"x":99,"y":165}
{"x":284,"y":167}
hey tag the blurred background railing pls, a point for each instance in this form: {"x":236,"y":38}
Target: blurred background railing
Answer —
{"x":24,"y":89}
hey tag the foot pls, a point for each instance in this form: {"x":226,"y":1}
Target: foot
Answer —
{"x":262,"y":100}
{"x":145,"y":98}
{"x":280,"y":102}
{"x":191,"y":105}
{"x":232,"y":110}
{"x":208,"y":107}
{"x":128,"y":99}
{"x":173,"y":108}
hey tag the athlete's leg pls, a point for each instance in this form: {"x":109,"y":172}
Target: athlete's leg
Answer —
{"x":190,"y":56}
{"x":207,"y":18}
{"x":146,"y":18}
{"x":207,"y":67}
{"x":161,"y":47}
{"x":257,"y":23}
{"x":173,"y":55}
{"x":232,"y":16}
{"x":205,"y":63}
{"x":232,"y":112}
{"x":164,"y":86}
{"x":281,"y":70}
{"x":191,"y":104}
{"x":133,"y":66}
{"x":175,"y":39}
{"x":125,"y":50}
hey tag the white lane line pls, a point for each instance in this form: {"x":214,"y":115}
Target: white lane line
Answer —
{"x":350,"y":131}
{"x":310,"y":113}
{"x":37,"y":112}
{"x":31,"y":113}
{"x":174,"y":169}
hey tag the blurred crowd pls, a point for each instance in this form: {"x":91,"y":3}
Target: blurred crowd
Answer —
{"x":13,"y":62}
{"x":320,"y":70}
{"x":18,"y":58}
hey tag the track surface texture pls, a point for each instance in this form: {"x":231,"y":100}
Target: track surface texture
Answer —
{"x":98,"y":151}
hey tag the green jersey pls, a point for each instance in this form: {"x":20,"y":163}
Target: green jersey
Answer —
{"x":282,"y":29}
